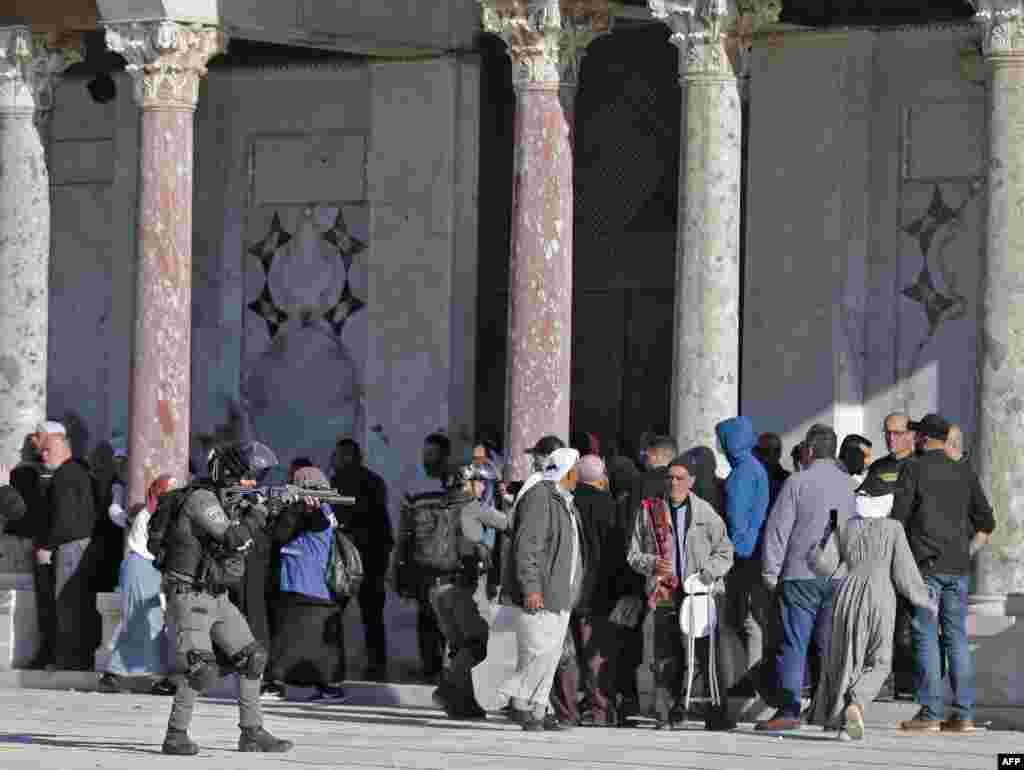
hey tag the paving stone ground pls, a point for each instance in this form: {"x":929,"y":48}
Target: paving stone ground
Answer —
{"x":79,"y":731}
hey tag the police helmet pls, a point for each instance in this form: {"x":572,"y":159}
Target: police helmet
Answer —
{"x":232,"y":463}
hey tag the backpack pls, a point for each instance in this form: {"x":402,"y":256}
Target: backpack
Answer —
{"x":435,"y":532}
{"x":167,"y":509}
{"x":345,"y":573}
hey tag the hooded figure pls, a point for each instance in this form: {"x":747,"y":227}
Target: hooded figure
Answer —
{"x":746,"y":488}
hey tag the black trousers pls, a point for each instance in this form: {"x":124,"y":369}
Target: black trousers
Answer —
{"x":372,"y":596}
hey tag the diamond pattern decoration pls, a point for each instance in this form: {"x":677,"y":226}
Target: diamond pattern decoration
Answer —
{"x":347,"y":306}
{"x":924,"y":227}
{"x":935,"y":304}
{"x":340,"y":238}
{"x":266,"y":249}
{"x":265,"y":307}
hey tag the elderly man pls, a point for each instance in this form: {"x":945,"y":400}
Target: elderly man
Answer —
{"x":940,"y":501}
{"x":794,"y":527}
{"x":544,"y":578}
{"x":65,"y":541}
{"x":675,"y":538}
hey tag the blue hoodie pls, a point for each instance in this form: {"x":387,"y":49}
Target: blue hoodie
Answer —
{"x":746,"y":489}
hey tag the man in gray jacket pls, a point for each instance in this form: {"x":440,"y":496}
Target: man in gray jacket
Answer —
{"x":543,"y":577}
{"x":795,"y":525}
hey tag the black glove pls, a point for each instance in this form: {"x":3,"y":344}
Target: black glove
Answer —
{"x":255,"y":517}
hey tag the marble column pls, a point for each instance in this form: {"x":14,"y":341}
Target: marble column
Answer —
{"x":546,"y":41}
{"x":28,"y":70}
{"x":166,"y":61}
{"x":713,"y":38}
{"x":1000,"y":444}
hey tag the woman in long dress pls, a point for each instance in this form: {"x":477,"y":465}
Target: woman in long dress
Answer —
{"x":875,"y":556}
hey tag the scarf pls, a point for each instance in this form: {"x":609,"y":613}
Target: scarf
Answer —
{"x":664,"y":544}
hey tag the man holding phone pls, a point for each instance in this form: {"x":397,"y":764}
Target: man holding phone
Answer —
{"x":791,"y":533}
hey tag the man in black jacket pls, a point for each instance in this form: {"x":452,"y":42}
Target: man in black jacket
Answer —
{"x":947,"y":518}
{"x":31,"y":479}
{"x":598,"y":638}
{"x":899,"y":440}
{"x":369,"y":524}
{"x":65,"y":542}
{"x":653,"y":482}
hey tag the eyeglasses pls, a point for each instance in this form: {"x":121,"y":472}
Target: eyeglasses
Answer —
{"x":680,"y":479}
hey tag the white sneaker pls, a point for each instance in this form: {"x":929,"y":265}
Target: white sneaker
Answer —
{"x":273,"y":693}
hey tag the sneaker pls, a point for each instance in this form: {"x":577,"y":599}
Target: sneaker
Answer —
{"x":957,"y":725}
{"x":854,"y":717}
{"x":258,"y":739}
{"x":111,"y":684}
{"x":163,"y":687}
{"x":178,"y":743}
{"x":549,"y":723}
{"x":920,"y":724}
{"x":328,"y":695}
{"x":272,"y":692}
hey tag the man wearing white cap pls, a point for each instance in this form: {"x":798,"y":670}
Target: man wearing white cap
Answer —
{"x":543,"y":577}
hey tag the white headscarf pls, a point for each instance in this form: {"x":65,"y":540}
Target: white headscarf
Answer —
{"x":559,"y":463}
{"x":874,"y":507}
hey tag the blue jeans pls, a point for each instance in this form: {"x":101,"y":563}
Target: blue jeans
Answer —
{"x":806,"y":610}
{"x":928,"y":657}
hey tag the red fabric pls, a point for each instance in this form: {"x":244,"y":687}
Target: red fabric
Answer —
{"x":664,"y":539}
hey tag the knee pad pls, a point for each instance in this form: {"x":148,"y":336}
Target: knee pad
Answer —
{"x":251,"y":661}
{"x":203,"y":671}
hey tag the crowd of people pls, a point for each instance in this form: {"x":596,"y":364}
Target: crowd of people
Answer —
{"x":827,"y":582}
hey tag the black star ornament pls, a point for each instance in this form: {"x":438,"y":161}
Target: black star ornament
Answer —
{"x":265,"y":307}
{"x":935,"y":304}
{"x":347,"y":306}
{"x":266,"y":249}
{"x":925,"y":226}
{"x":340,"y":238}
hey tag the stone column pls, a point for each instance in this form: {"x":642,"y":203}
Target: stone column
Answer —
{"x":28,"y":70}
{"x":712,"y":37}
{"x":546,"y":41}
{"x":1000,"y":444}
{"x":166,"y":61}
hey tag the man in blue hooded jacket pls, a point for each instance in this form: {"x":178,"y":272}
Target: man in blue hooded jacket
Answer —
{"x":746,"y":506}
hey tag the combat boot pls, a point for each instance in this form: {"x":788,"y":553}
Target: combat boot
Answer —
{"x":258,"y":739}
{"x":178,"y":742}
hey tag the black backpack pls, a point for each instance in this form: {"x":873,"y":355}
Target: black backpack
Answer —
{"x":168,"y":507}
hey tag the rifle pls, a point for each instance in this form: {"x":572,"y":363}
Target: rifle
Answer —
{"x":278,"y":497}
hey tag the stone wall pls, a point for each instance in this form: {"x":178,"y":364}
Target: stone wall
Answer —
{"x":334,"y":262}
{"x":865,"y":222}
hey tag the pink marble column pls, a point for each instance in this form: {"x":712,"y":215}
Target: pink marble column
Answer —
{"x":546,"y":41}
{"x":540,"y":284}
{"x":167,"y":61}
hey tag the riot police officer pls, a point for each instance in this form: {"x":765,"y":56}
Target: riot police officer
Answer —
{"x":200,"y":549}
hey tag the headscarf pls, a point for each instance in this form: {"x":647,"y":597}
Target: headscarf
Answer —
{"x":559,"y":463}
{"x":591,"y":469}
{"x":310,"y":477}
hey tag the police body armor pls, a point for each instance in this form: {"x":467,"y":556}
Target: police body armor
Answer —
{"x":191,"y":553}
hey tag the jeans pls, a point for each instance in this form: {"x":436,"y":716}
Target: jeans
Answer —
{"x":929,"y":652}
{"x":806,"y":608}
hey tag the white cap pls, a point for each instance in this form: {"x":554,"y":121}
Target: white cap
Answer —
{"x":51,"y":427}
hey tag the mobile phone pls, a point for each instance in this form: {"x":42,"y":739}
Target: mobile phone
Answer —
{"x":833,"y":519}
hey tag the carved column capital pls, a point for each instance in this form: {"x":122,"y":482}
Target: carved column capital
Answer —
{"x":546,"y":39}
{"x":166,"y":59}
{"x":1002,"y":25}
{"x":29,"y":68}
{"x":714,"y":36}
